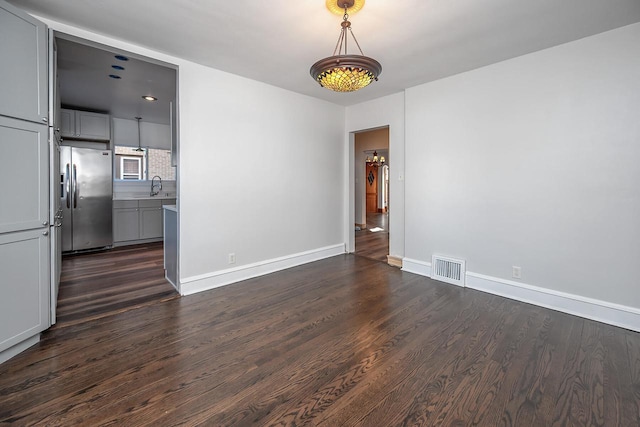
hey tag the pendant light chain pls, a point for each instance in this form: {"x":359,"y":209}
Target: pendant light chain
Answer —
{"x":342,"y":38}
{"x":356,"y":40}
{"x":345,"y":24}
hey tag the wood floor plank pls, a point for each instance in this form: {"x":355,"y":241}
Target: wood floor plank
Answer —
{"x":374,"y":245}
{"x":345,"y":341}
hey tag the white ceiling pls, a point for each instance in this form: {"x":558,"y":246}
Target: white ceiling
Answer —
{"x":83,"y":75}
{"x":276,"y":41}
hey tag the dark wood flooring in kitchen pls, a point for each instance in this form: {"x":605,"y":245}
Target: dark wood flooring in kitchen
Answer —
{"x":344,"y":341}
{"x":374,"y":245}
{"x":100,"y":284}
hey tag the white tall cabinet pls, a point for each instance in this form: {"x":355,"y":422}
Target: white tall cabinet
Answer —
{"x":24,"y":212}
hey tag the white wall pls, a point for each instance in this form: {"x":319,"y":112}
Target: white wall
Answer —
{"x":259,"y":173}
{"x":533,"y":162}
{"x":385,"y":111}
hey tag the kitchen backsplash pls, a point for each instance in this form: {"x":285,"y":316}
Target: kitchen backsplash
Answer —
{"x":124,"y":189}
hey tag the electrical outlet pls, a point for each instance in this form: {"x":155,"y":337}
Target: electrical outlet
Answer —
{"x":232,"y":258}
{"x":517,"y":272}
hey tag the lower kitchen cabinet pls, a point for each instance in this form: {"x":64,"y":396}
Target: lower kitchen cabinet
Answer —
{"x":150,"y":219}
{"x":126,"y":224}
{"x":24,"y":299}
{"x":135,"y":221}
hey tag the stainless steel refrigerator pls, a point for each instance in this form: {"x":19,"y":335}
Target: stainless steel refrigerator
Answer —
{"x":86,"y":198}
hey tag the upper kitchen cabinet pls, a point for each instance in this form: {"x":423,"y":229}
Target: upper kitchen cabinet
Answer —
{"x":23,"y":43}
{"x":153,"y":135}
{"x":75,"y":124}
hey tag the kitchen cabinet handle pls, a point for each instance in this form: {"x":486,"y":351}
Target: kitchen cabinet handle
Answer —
{"x":45,"y":233}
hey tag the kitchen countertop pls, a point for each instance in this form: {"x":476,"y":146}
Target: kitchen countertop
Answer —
{"x":173,"y":208}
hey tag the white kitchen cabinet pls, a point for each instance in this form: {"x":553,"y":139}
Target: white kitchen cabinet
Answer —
{"x":24,"y":211}
{"x":152,"y":135}
{"x":150,"y":219}
{"x":75,"y":124}
{"x":24,"y":305}
{"x":126,"y":224}
{"x":137,"y":221}
{"x":24,"y":175}
{"x":23,"y":46}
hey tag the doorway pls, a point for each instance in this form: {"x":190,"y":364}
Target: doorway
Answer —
{"x":135,"y":96}
{"x":372,"y":160}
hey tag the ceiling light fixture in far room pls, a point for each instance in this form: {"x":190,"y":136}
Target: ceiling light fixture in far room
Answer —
{"x":149,"y":98}
{"x":342,"y":72}
{"x":375,"y":161}
{"x":139,"y":147}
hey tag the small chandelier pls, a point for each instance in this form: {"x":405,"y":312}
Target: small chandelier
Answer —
{"x":344,"y":72}
{"x":375,"y":161}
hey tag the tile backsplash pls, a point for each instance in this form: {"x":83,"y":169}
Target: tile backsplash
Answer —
{"x":123,"y":189}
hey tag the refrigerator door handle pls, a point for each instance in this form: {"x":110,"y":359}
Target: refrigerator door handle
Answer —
{"x":67,"y":183}
{"x":75,"y":187}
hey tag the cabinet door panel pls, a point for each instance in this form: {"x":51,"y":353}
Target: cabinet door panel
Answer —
{"x":67,"y":123}
{"x":23,"y":47}
{"x":24,"y":175}
{"x":92,"y":125}
{"x":125,"y":225}
{"x":24,"y":293}
{"x":150,"y":223}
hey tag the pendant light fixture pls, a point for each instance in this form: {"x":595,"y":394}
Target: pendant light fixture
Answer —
{"x":342,"y":72}
{"x":375,"y":161}
{"x":139,"y":147}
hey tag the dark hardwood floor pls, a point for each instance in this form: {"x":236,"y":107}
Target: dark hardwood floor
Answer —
{"x":100,"y":284}
{"x":374,"y":245}
{"x":345,"y":341}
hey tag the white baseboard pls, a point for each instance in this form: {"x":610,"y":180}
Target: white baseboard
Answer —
{"x":589,"y":308}
{"x":415,"y":266}
{"x":191,"y":285}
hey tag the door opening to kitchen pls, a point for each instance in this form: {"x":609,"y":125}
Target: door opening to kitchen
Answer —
{"x":373,"y":161}
{"x":116,"y":116}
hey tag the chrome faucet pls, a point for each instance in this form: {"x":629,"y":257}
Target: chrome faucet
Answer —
{"x":155,"y":188}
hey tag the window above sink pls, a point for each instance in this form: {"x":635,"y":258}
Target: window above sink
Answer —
{"x":133,"y":165}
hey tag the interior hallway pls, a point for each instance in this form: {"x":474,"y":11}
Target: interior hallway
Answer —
{"x":374,"y":245}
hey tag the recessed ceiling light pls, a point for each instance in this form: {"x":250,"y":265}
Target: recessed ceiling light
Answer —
{"x":121,"y":58}
{"x":150,"y":98}
{"x":117,"y":67}
{"x":115,"y":76}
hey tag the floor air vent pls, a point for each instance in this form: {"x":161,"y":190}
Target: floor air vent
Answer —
{"x":448,"y":270}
